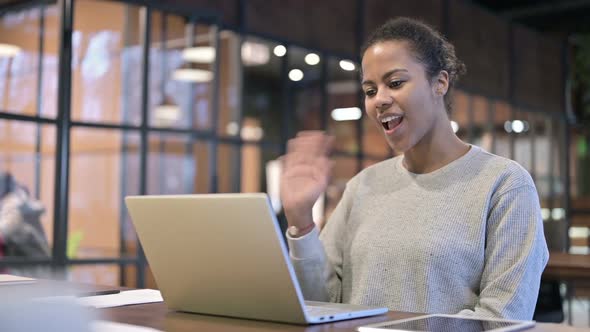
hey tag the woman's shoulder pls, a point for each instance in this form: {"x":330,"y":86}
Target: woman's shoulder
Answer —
{"x":507,"y":173}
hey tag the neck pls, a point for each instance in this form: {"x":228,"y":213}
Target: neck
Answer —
{"x":435,"y":150}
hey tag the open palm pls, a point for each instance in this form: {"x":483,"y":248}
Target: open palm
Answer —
{"x":305,"y":176}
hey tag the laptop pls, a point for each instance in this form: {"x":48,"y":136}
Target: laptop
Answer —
{"x":224,"y":254}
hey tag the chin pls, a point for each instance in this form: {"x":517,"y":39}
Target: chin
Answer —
{"x":397,"y":147}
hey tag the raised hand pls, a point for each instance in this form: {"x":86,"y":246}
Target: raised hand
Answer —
{"x":306,"y":172}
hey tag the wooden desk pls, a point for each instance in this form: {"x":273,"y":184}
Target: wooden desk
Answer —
{"x":567,"y":267}
{"x":156,"y":315}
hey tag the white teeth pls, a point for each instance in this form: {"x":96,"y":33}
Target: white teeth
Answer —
{"x":389,"y":118}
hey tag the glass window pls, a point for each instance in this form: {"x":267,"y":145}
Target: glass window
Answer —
{"x":344,"y":108}
{"x":503,"y":127}
{"x":171,"y":164}
{"x":305,"y":94}
{"x":580,"y":168}
{"x":558,"y":153}
{"x":580,"y":183}
{"x":181,"y":87}
{"x":230,"y":79}
{"x":95,"y":200}
{"x":480,"y":132}
{"x":262,"y":95}
{"x":95,"y":274}
{"x":460,"y":114}
{"x":253,"y":168}
{"x":130,"y":185}
{"x":201,"y":151}
{"x":228,"y":168}
{"x":245,"y":168}
{"x":21,"y":58}
{"x":27,"y":164}
{"x":557,"y":233}
{"x":521,"y":129}
{"x":542,"y":147}
{"x":106,"y":63}
{"x":129,"y":277}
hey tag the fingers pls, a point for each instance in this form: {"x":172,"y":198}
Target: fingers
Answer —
{"x":313,"y":143}
{"x":323,"y":171}
{"x":308,"y":149}
{"x":300,"y":166}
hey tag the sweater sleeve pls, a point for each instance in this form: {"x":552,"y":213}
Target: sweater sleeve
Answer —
{"x":317,"y":258}
{"x":515,"y":256}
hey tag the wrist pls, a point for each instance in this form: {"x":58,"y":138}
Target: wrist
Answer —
{"x":299,"y":217}
{"x":295,"y":231}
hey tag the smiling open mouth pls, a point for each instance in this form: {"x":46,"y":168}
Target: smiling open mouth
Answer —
{"x":391,"y":122}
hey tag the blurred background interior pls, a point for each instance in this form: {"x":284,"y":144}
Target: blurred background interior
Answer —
{"x":103,"y":99}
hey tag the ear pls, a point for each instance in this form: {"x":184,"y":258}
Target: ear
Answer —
{"x":441,"y":83}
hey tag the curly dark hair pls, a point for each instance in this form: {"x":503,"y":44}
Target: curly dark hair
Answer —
{"x":428,"y":46}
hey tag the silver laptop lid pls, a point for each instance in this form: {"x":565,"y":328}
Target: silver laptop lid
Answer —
{"x":219,"y":254}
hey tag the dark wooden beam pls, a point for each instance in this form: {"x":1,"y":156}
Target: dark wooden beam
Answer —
{"x":542,"y":9}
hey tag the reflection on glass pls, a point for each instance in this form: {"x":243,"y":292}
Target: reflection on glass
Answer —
{"x":182,"y":72}
{"x":244,"y":168}
{"x":20,"y":60}
{"x":480,"y":131}
{"x":130,"y":166}
{"x":558,"y":154}
{"x":521,"y":129}
{"x":558,"y":173}
{"x":166,"y":55}
{"x":343,"y":109}
{"x":304,"y":91}
{"x":129,"y":275}
{"x":171,"y":165}
{"x":502,"y":115}
{"x":230,"y":87}
{"x":539,"y":126}
{"x":580,"y":170}
{"x":262,"y":89}
{"x":460,"y":114}
{"x":106,"y":63}
{"x":96,"y":159}
{"x":26,"y":192}
{"x":228,"y":161}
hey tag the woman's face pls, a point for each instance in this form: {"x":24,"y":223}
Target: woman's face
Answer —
{"x":398,"y":96}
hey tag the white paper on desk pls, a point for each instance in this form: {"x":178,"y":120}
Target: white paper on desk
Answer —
{"x":8,"y":279}
{"x":104,"y":326}
{"x":136,"y":296}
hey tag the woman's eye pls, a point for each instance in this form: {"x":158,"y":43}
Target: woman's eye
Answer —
{"x":395,"y":84}
{"x":370,"y":93}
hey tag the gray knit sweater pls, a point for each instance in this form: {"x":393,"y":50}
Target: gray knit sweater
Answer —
{"x":466,"y":238}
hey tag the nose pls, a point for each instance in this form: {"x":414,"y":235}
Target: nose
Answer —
{"x":383,"y":100}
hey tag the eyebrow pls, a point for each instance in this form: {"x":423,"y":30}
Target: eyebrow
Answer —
{"x":386,"y":75}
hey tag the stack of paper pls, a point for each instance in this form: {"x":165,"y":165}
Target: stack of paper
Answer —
{"x":136,"y":296}
{"x":104,"y":326}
